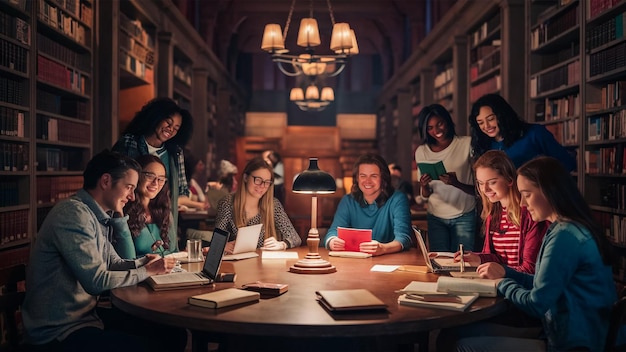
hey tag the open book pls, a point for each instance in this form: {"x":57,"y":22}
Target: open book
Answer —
{"x":425,"y":294}
{"x":433,"y":169}
{"x":483,"y":287}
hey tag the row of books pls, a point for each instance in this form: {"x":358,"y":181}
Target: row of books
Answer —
{"x":135,"y":29}
{"x":63,"y":54}
{"x":444,"y":90}
{"x":14,"y":57}
{"x":13,"y":156}
{"x":15,"y":28}
{"x":607,"y":60}
{"x":608,"y":160}
{"x":607,"y":127}
{"x":14,"y":256}
{"x":13,"y":226}
{"x":63,"y":22}
{"x":9,"y":194}
{"x":53,"y":189}
{"x":552,"y":109}
{"x":606,"y":32}
{"x":566,"y":132}
{"x":56,"y":159}
{"x":596,"y":7}
{"x":183,"y":72}
{"x":484,"y":30}
{"x":66,"y":106}
{"x":491,"y":85}
{"x":551,"y":28}
{"x":446,"y":75}
{"x":11,"y":122}
{"x":484,"y":64}
{"x":12,"y":91}
{"x":559,"y":77}
{"x":614,"y":225}
{"x":52,"y":129}
{"x":135,"y":66}
{"x":131,"y":45}
{"x":54,"y":73}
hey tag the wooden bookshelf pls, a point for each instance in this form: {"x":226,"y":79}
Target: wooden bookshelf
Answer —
{"x":46,"y":104}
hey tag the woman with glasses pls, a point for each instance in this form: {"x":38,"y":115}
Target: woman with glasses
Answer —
{"x":147,"y":226}
{"x":253,"y":203}
{"x":162,"y":128}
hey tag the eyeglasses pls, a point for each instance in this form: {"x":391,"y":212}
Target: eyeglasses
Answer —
{"x":259,"y":181}
{"x":150,"y":176}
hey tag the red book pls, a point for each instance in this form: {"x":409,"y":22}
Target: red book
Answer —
{"x":354,"y":237}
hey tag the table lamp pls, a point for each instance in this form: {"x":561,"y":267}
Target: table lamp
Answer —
{"x":313,"y":181}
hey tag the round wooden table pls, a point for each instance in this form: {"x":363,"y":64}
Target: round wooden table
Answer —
{"x":296,"y":315}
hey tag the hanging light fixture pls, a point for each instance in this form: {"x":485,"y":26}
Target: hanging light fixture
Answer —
{"x":343,"y":43}
{"x":311,"y":99}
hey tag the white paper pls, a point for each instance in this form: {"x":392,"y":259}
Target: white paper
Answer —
{"x":279,"y":255}
{"x":384,"y":268}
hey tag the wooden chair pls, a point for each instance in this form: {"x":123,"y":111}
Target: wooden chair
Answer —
{"x":10,"y":302}
{"x":616,"y":322}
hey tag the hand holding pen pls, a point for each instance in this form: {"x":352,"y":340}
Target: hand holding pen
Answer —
{"x":462,"y":257}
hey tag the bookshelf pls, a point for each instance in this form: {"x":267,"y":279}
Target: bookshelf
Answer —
{"x":46,"y":112}
{"x":485,"y":52}
{"x":605,"y":112}
{"x":443,"y":85}
{"x":182,"y":79}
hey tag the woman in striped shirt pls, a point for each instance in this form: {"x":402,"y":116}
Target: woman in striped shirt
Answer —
{"x":512,"y":238}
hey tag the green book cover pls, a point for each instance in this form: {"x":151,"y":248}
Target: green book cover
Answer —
{"x":433,"y":169}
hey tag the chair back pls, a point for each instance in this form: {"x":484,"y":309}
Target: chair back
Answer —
{"x":11,"y":300}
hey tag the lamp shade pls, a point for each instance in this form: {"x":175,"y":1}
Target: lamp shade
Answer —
{"x":314,"y":181}
{"x":309,"y":34}
{"x":296,"y":94}
{"x":328,"y":94}
{"x":272,"y":38}
{"x":341,"y":38}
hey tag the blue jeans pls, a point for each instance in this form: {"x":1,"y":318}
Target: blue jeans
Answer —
{"x":445,"y":235}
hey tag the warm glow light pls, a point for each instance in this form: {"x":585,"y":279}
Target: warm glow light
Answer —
{"x":355,"y":45}
{"x":328,"y":94}
{"x":296,"y":94}
{"x":309,"y":34}
{"x":272,"y":38}
{"x":312,"y":92}
{"x":341,"y":38}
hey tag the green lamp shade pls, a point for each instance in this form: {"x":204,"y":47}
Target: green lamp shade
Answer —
{"x":314,"y":181}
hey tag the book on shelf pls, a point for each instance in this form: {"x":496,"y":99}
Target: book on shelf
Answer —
{"x":458,"y":285}
{"x":349,"y":300}
{"x":224,"y":298}
{"x":425,"y":294}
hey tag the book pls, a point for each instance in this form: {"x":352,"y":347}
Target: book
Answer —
{"x":349,"y":300}
{"x":425,"y":294}
{"x":433,"y":169}
{"x":354,"y":237}
{"x":266,"y":289}
{"x":484,"y":287}
{"x":224,"y":298}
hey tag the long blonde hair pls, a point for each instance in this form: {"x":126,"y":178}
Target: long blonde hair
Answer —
{"x":498,"y":161}
{"x":266,"y":203}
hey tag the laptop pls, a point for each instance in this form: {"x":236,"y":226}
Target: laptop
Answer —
{"x":245,"y":243}
{"x":209,"y":271}
{"x":441,"y":265}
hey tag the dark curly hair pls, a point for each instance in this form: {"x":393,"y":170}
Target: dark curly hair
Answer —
{"x":422,"y":122}
{"x":159,"y":206}
{"x":511,"y":126}
{"x":385,"y":179}
{"x":150,"y":116}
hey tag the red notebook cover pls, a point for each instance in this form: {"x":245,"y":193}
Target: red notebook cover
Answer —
{"x":354,"y":237}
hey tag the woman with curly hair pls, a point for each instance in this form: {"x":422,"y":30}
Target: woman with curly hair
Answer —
{"x":147,"y":226}
{"x":253,"y":203}
{"x":495,"y":125}
{"x":373,"y":203}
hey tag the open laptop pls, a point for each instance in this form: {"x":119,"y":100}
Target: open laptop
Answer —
{"x":245,"y":243}
{"x":445,"y":264}
{"x":209,"y":271}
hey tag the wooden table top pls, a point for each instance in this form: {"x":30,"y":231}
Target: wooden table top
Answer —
{"x":296,"y":313}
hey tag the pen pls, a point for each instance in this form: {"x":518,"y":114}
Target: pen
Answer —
{"x":462,"y":258}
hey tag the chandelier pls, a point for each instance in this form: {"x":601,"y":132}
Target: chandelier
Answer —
{"x":311,"y":99}
{"x":343,"y":43}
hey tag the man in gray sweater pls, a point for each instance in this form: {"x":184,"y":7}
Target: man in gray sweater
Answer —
{"x":73,"y":262}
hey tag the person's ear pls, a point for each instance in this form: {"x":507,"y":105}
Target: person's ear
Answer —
{"x":106,"y":181}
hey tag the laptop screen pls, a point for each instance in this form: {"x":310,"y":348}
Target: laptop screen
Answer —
{"x":216,"y":251}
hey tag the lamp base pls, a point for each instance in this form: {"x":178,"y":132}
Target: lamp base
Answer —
{"x":312,"y":264}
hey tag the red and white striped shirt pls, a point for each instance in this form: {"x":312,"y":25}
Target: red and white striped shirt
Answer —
{"x":506,"y":240}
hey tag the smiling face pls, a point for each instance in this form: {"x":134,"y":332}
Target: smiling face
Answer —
{"x":116,"y":195}
{"x":493,"y":185}
{"x":535,"y":201}
{"x":488,"y":122}
{"x":152,"y":181}
{"x":258,"y":182}
{"x":369,"y":181}
{"x":168,"y":128}
{"x":437,"y":128}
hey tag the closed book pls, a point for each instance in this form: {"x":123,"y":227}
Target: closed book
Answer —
{"x":484,"y":287}
{"x":349,"y":300}
{"x":224,"y":298}
{"x":461,"y":305}
{"x":266,"y":288}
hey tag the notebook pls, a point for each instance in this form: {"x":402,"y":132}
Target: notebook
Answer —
{"x":245,"y":243}
{"x":209,"y":271}
{"x":354,"y":237}
{"x":349,"y":300}
{"x":438,"y":265}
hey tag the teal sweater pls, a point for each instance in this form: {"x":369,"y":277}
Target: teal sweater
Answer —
{"x":572,"y":290}
{"x":390,"y":222}
{"x":129,"y":247}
